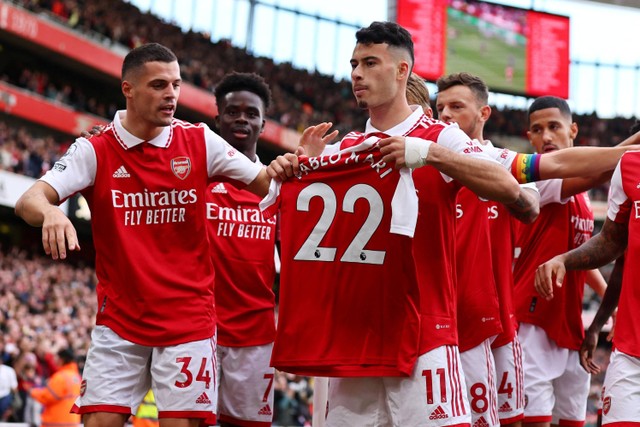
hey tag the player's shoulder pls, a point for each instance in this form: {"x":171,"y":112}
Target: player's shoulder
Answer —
{"x":428,"y":126}
{"x":183,"y":124}
{"x":105,"y":135}
{"x":350,"y":139}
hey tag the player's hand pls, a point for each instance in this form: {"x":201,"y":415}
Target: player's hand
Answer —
{"x":285,"y":166}
{"x":548,"y":275}
{"x":315,"y":138}
{"x":58,"y":234}
{"x":393,"y":150}
{"x":94,"y":131}
{"x":586,"y":352}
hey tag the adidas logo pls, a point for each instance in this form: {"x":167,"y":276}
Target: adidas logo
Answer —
{"x":203,"y":399}
{"x":481,"y":422}
{"x":266,"y":410}
{"x":438,"y":414}
{"x":505,"y":407}
{"x":219,"y":188}
{"x":121,"y":172}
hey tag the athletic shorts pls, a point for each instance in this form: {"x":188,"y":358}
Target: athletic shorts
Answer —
{"x":510,"y":381}
{"x":621,"y":390}
{"x":118,"y":373}
{"x":556,"y":385}
{"x":245,"y":386}
{"x":480,"y":376}
{"x":434,"y":395}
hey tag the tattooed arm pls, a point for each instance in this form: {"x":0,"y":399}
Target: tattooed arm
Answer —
{"x":603,"y":248}
{"x":527,"y":208}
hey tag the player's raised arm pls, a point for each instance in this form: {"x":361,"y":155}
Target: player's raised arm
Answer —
{"x":485,"y":178}
{"x":581,"y":161}
{"x":37,"y":206}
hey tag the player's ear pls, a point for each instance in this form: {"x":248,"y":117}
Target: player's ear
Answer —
{"x":403,"y":69}
{"x":485,"y":112}
{"x":127,"y":89}
{"x":262,"y":126}
{"x":573,"y":131}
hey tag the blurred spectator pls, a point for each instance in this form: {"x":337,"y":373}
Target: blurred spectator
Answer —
{"x":60,"y":392}
{"x":8,"y":390}
{"x":147,"y":413}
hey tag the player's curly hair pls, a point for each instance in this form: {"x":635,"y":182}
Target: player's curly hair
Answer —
{"x":635,"y":127}
{"x":386,"y":32}
{"x":250,"y":82}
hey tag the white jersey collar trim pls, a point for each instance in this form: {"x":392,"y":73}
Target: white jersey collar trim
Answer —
{"x":128,"y":140}
{"x":401,"y":128}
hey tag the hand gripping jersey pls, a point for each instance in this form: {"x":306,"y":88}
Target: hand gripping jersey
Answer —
{"x":478,"y":307}
{"x":154,"y":269}
{"x":348,"y":292}
{"x":624,"y":207}
{"x":242,"y":249}
{"x":558,"y":229}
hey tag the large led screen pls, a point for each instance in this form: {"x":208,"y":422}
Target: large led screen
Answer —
{"x":513,"y":50}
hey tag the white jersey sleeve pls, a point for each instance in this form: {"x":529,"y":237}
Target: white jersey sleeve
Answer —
{"x":224,"y":160}
{"x":551,"y":192}
{"x":453,"y":138}
{"x":617,"y":196}
{"x":504,"y":156}
{"x":75,"y":171}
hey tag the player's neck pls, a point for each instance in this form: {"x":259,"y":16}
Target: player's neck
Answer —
{"x":389,"y":115}
{"x":141,"y":129}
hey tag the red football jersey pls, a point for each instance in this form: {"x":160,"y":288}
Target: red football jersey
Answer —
{"x":348,"y":292}
{"x":624,"y":207}
{"x":242,"y":249}
{"x":558,"y":229}
{"x":478,"y":306}
{"x":155,"y":275}
{"x":501,"y":227}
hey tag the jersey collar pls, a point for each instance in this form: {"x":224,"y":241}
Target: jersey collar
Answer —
{"x":401,"y":128}
{"x":128,"y":140}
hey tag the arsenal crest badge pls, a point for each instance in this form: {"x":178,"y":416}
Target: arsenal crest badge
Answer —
{"x":181,"y":167}
{"x":606,"y":405}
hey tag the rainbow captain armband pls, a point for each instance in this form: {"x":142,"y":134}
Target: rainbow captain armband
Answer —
{"x":526,"y":168}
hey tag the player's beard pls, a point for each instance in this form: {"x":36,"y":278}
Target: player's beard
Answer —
{"x":363,"y":104}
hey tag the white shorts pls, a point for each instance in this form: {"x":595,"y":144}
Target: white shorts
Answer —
{"x":510,"y":381}
{"x":434,"y":395}
{"x":556,"y":386}
{"x":245,"y":385}
{"x":480,"y":375}
{"x":118,"y":373}
{"x":621,"y":390}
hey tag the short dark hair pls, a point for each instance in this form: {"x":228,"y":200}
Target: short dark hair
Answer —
{"x":250,"y":82}
{"x":475,"y":83}
{"x":150,"y":52}
{"x":545,"y":102}
{"x":66,"y":355}
{"x":386,"y":32}
{"x":635,"y":127}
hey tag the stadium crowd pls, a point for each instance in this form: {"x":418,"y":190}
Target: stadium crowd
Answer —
{"x":46,"y":306}
{"x":300,"y":98}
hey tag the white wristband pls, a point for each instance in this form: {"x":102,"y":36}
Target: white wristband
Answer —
{"x":416,"y":151}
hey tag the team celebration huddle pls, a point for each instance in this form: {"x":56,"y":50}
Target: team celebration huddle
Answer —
{"x":396,"y":243}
